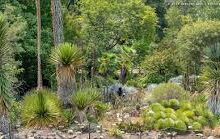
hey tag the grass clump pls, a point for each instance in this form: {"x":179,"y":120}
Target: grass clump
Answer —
{"x":41,"y":109}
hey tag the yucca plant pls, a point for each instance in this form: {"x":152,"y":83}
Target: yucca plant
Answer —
{"x":41,"y":109}
{"x":5,"y":79}
{"x":211,"y":77}
{"x":83,"y":99}
{"x":68,"y":58}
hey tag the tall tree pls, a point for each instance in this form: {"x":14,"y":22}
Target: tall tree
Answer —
{"x":67,"y":58}
{"x":39,"y":73}
{"x":57,"y":19}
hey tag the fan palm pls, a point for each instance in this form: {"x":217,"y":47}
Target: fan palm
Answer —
{"x":125,"y":61}
{"x":211,"y":77}
{"x":5,"y":82}
{"x":68,"y":58}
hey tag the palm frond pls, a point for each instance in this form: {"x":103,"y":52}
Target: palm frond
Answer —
{"x":68,"y":58}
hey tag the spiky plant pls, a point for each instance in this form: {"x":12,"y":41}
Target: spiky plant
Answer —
{"x":41,"y":109}
{"x":211,"y":77}
{"x":83,"y":99}
{"x":5,"y":80}
{"x":68,"y":58}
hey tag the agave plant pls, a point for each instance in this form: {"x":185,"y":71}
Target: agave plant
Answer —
{"x":211,"y":77}
{"x":83,"y":99}
{"x":68,"y":58}
{"x":41,"y":109}
{"x":5,"y":80}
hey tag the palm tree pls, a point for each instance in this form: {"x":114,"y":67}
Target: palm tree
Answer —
{"x":39,"y":74}
{"x":56,"y":9}
{"x":5,"y":80}
{"x":125,"y":61}
{"x":211,"y":77}
{"x":68,"y":58}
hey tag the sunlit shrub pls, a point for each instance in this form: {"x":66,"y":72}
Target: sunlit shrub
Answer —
{"x":168,"y":91}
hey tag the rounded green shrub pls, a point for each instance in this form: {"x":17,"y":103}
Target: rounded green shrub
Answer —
{"x":159,"y":115}
{"x":202,"y":120}
{"x":160,"y":124}
{"x":196,"y":126}
{"x":174,"y":103}
{"x":156,"y":107}
{"x":169,"y":110}
{"x":165,"y":103}
{"x":171,"y":115}
{"x":189,"y":114}
{"x":41,"y":109}
{"x":168,"y":91}
{"x":169,"y":123}
{"x":180,"y":125}
{"x":185,"y":105}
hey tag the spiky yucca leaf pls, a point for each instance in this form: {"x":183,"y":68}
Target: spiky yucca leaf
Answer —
{"x":5,"y":56}
{"x":67,"y":58}
{"x":85,"y":98}
{"x":41,"y":109}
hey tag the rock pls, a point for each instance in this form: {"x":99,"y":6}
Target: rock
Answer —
{"x":60,"y":127}
{"x":101,"y":137}
{"x":211,"y":137}
{"x":199,"y":135}
{"x":70,"y":132}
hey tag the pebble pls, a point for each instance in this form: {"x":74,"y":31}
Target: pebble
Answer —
{"x":199,"y":134}
{"x":70,"y":132}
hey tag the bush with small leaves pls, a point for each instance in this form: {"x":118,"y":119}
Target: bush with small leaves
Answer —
{"x":168,"y":91}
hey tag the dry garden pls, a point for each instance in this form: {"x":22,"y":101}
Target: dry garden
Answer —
{"x":109,"y":69}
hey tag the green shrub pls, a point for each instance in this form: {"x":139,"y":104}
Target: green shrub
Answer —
{"x":85,"y":98}
{"x":180,"y":126}
{"x":101,"y":108}
{"x":115,"y":132}
{"x":15,"y":112}
{"x":186,"y":105}
{"x":69,"y":116}
{"x":160,"y":124}
{"x":156,"y":107}
{"x":41,"y":109}
{"x":196,"y":126}
{"x":132,"y":127}
{"x":189,"y":114}
{"x":168,"y":91}
{"x":174,"y":103}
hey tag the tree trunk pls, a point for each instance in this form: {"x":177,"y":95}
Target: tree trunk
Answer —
{"x":39,"y":73}
{"x":57,"y":19}
{"x":4,"y":124}
{"x":82,"y":118}
{"x":65,"y":90}
{"x":214,"y":100}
